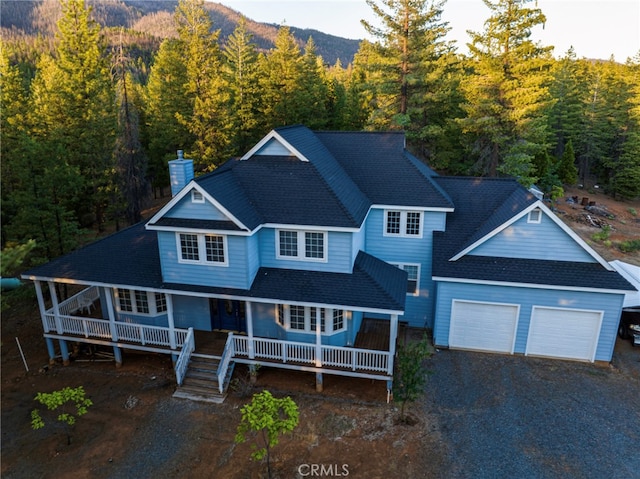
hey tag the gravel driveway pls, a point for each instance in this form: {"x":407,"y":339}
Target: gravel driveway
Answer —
{"x":519,"y":417}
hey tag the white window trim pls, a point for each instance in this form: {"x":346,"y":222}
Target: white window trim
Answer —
{"x":202,"y":249}
{"x":302,"y":246}
{"x":401,"y":266}
{"x":403,"y":223}
{"x":151,"y":302}
{"x":534,"y":216}
{"x":196,"y":196}
{"x":308,"y":310}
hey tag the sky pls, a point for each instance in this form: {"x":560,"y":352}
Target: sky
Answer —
{"x":595,"y":28}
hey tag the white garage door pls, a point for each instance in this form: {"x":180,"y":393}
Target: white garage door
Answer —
{"x":564,"y":333}
{"x":483,"y":326}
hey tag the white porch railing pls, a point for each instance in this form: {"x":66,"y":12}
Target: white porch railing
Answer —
{"x":333,"y":356}
{"x":84,"y":299}
{"x":185,"y":355}
{"x":100,"y":329}
{"x":225,"y":360}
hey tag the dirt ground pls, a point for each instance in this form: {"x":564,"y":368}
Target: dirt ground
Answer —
{"x":349,"y":425}
{"x":623,"y":217}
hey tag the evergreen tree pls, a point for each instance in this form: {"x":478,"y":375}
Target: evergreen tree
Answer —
{"x":165,"y":100}
{"x":506,"y":96}
{"x":567,"y":171}
{"x":282,"y":71}
{"x":207,"y":91}
{"x":242,"y":75}
{"x":73,"y":108}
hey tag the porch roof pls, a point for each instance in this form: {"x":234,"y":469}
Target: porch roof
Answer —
{"x":130,"y":259}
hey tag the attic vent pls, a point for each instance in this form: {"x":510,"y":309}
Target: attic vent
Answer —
{"x":196,"y":197}
{"x":535,"y":216}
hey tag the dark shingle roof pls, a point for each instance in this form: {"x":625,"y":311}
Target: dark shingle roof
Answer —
{"x":378,"y":163}
{"x":529,"y":271}
{"x":372,"y":284}
{"x":130,"y":258}
{"x":482,"y":205}
{"x":197,"y":224}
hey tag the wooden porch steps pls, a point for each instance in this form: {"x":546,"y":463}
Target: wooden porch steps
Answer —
{"x":201,"y":381}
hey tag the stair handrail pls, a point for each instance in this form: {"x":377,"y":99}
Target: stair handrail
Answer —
{"x":225,"y":360}
{"x":182,"y":363}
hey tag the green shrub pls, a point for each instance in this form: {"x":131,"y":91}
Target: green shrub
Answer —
{"x":629,"y":246}
{"x":602,"y":235}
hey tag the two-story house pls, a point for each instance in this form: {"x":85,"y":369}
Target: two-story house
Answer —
{"x":313,"y":247}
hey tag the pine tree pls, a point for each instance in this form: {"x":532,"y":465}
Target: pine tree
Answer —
{"x":73,"y":108}
{"x":506,"y":93}
{"x":165,"y":100}
{"x":242,"y":75}
{"x":567,"y":171}
{"x":205,"y":86}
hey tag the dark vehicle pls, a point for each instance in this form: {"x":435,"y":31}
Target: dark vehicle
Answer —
{"x":630,"y":325}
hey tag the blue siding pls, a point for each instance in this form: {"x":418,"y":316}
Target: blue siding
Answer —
{"x":253,"y":257}
{"x":339,"y":252}
{"x":199,"y":211}
{"x":191,"y":312}
{"x":527,"y":298}
{"x":408,"y":250}
{"x":357,"y":243}
{"x":235,"y":275}
{"x":544,"y":240}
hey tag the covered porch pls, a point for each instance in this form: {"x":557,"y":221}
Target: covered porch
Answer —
{"x":77,"y":319}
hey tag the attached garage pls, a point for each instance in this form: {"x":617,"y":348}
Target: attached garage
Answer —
{"x":483,"y":326}
{"x":564,"y":333}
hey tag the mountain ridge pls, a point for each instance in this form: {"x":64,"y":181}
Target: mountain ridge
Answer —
{"x":154,"y":17}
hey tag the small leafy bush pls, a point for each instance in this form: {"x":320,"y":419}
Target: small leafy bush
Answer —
{"x":64,"y":400}
{"x":602,"y":235}
{"x":629,"y":246}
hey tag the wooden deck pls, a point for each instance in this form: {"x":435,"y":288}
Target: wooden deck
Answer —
{"x":210,"y":343}
{"x":374,"y":334}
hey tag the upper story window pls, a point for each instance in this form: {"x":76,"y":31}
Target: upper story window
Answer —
{"x":202,"y":248}
{"x":403,"y":223}
{"x":535,"y":216}
{"x":305,"y":318}
{"x":413,"y":277}
{"x":196,"y":197}
{"x":301,"y":245}
{"x":140,"y":302}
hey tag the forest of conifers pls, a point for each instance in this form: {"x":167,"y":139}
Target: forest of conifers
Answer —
{"x":91,"y":117}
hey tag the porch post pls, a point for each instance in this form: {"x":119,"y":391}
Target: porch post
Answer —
{"x":41,"y":306}
{"x":56,"y":307}
{"x":111,"y":314}
{"x":170,"y":321}
{"x":319,"y":380}
{"x":393,"y":335}
{"x":249,"y":319}
{"x":64,"y":350}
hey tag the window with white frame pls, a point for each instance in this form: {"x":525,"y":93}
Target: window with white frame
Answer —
{"x":413,"y":277}
{"x":301,"y":245}
{"x":196,"y":197}
{"x":202,"y":248}
{"x":535,"y":216}
{"x":305,"y":318}
{"x":140,"y":302}
{"x":403,"y":223}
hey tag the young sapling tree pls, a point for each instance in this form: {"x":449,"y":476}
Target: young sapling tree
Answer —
{"x":63,"y":400}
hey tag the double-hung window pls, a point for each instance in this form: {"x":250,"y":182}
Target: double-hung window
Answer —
{"x":202,"y":248}
{"x":403,"y":223}
{"x":301,"y":245}
{"x":140,"y":302}
{"x":413,"y":277}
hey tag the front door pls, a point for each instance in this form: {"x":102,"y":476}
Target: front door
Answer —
{"x":228,"y":315}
